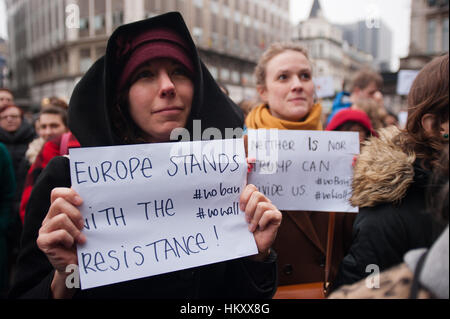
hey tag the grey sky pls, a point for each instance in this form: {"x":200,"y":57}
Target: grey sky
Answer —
{"x":394,"y":13}
{"x":3,"y":32}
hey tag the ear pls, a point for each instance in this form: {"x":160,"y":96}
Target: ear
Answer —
{"x":427,"y":123}
{"x":262,"y":91}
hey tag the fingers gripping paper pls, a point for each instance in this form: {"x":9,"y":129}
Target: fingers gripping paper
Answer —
{"x":157,"y":208}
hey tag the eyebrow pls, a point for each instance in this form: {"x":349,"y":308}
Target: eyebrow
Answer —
{"x":289,"y":70}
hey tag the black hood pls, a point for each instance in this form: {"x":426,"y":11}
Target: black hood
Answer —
{"x":93,"y":96}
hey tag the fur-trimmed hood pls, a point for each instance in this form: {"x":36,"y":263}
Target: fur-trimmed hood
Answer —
{"x":33,"y":149}
{"x":383,"y":171}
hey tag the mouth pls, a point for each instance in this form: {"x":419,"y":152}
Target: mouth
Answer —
{"x":297,"y":99}
{"x":169,"y":110}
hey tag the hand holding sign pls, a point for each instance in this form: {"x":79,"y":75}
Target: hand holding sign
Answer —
{"x":59,"y":235}
{"x":263,"y":218}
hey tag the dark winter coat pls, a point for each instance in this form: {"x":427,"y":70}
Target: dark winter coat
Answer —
{"x":89,"y":113}
{"x":390,"y":188}
{"x":7,"y":190}
{"x":17,"y":144}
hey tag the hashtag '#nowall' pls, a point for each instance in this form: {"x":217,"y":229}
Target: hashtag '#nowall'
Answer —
{"x":200,"y":213}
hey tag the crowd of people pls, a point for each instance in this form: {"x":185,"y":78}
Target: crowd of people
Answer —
{"x":152,"y":81}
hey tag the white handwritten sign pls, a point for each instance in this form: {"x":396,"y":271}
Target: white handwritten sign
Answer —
{"x":324,"y":86}
{"x":304,"y":170}
{"x":157,"y":208}
{"x":405,"y":80}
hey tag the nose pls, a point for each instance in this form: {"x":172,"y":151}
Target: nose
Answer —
{"x":46,"y":132}
{"x":167,"y":87}
{"x":296,"y":84}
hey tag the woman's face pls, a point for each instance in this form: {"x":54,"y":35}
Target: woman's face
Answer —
{"x":289,"y":89}
{"x":160,"y":98}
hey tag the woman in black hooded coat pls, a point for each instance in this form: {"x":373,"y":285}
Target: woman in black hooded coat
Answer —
{"x":100,"y":114}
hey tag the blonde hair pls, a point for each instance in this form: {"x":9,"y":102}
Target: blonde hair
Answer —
{"x":274,"y":50}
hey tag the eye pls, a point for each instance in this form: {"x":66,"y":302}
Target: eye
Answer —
{"x":144,"y":74}
{"x":282,"y":77}
{"x":305,"y":76}
{"x":180,"y":71}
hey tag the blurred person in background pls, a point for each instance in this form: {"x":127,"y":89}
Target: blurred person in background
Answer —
{"x":16,"y":133}
{"x":350,"y":120}
{"x":372,"y":109}
{"x":6,"y":97}
{"x":366,"y":84}
{"x":423,"y":273}
{"x":52,"y":125}
{"x":391,"y":119}
{"x":391,"y":176}
{"x":54,"y":101}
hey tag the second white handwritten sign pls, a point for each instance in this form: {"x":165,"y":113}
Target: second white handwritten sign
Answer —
{"x":304,"y":170}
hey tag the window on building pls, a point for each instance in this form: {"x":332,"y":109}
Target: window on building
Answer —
{"x":85,"y":59}
{"x":224,"y":74}
{"x":235,"y":30}
{"x":236,"y":77}
{"x":214,"y":72}
{"x":214,"y":7}
{"x":247,"y":79}
{"x":117,"y":18}
{"x":445,"y":35}
{"x":214,"y":43}
{"x":247,"y":21}
{"x":99,"y":52}
{"x":431,"y":35}
{"x":247,"y":35}
{"x":237,"y":46}
{"x":99,"y":22}
{"x":198,"y":35}
{"x":84,"y":27}
{"x":237,"y":17}
{"x":84,"y":24}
